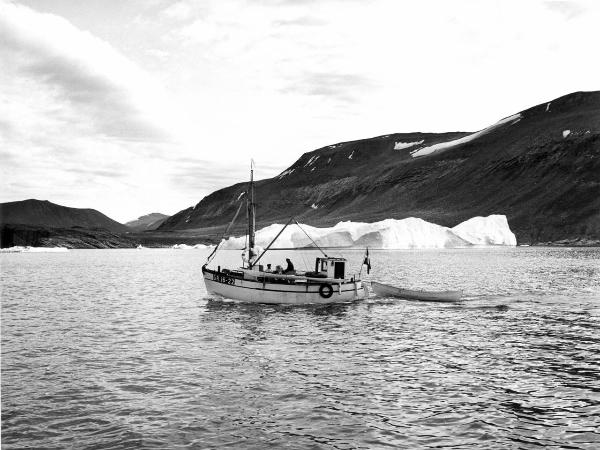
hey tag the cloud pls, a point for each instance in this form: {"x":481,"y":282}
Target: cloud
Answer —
{"x":334,"y":86}
{"x":204,"y":176}
{"x":85,"y":79}
{"x":569,"y":9}
{"x":303,"y":21}
{"x":179,"y":11}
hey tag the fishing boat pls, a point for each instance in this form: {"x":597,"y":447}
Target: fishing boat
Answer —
{"x":385,"y":290}
{"x":328,"y":283}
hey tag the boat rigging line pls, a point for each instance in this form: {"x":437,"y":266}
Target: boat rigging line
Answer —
{"x":311,"y":240}
{"x":269,"y":246}
{"x":224,"y":233}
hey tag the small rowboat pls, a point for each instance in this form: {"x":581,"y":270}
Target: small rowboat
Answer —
{"x":384,"y":290}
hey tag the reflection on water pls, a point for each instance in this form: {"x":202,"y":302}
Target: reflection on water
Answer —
{"x":124,"y":349}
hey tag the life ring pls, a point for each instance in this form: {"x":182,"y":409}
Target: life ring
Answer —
{"x":325,"y":290}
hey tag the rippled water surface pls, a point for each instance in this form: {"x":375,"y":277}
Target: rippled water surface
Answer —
{"x":123,"y":348}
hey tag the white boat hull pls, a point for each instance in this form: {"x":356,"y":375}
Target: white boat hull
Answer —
{"x":281,"y":293}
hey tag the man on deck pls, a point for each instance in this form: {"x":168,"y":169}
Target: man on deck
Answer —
{"x":290,"y":267}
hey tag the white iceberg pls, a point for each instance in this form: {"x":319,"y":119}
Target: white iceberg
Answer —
{"x":490,"y":230}
{"x":28,"y":249}
{"x":408,"y":233}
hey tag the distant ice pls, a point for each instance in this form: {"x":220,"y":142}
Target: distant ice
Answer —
{"x":402,"y":145}
{"x":313,"y":206}
{"x":388,"y":234}
{"x":548,"y":106}
{"x":566,"y":133}
{"x":19,"y":249}
{"x":190,"y":247}
{"x":463,"y":140}
{"x":351,"y":154}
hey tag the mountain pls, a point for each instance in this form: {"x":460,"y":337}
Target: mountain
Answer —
{"x":148,"y":222}
{"x":539,"y":167}
{"x":37,"y":236}
{"x":42,"y":213}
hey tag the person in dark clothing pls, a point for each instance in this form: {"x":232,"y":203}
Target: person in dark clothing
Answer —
{"x":290,"y":267}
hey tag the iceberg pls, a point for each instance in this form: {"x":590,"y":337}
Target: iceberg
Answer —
{"x":490,"y":230}
{"x":27,"y":249}
{"x":410,"y":233}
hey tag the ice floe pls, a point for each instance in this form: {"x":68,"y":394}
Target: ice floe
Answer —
{"x":566,"y":133}
{"x":388,"y":234}
{"x":510,"y":120}
{"x":403,"y":145}
{"x":189,"y":247}
{"x":19,"y":249}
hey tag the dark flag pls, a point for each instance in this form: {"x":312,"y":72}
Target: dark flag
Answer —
{"x":367,"y":261}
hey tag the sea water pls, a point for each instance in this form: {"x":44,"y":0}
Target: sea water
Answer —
{"x":124,"y":348}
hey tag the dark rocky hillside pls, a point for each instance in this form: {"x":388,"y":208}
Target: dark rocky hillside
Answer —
{"x":149,"y":222}
{"x":541,"y":168}
{"x":76,"y":237}
{"x":42,"y":213}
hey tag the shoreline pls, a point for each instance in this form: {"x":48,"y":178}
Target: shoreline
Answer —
{"x":82,"y":238}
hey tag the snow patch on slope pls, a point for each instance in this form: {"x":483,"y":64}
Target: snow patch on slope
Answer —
{"x":388,"y":234}
{"x":510,"y":120}
{"x":285,"y":173}
{"x":403,"y":145}
{"x":312,"y":160}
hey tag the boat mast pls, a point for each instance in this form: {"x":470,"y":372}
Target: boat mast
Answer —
{"x":251,"y":216}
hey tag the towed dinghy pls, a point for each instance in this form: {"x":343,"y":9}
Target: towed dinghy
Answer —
{"x":385,"y":290}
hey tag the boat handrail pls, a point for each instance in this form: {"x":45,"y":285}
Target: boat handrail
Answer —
{"x":282,"y":276}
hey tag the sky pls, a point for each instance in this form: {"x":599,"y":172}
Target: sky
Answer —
{"x":139,"y":106}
